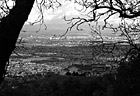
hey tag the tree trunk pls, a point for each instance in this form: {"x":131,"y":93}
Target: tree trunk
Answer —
{"x":10,"y":27}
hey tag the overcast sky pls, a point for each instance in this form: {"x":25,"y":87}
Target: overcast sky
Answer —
{"x":53,"y":19}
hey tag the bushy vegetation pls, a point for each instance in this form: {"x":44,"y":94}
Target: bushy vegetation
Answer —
{"x":128,"y":81}
{"x":60,"y":86}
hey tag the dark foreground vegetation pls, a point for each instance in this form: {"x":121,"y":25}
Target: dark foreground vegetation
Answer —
{"x":124,"y":83}
{"x":54,"y":85}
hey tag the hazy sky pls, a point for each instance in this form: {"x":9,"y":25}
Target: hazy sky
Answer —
{"x":53,"y":19}
{"x":67,"y":9}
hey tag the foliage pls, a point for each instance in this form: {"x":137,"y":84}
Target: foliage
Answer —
{"x":127,"y":82}
{"x":60,"y":86}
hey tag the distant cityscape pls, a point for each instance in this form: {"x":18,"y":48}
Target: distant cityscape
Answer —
{"x":76,"y":40}
{"x":41,"y":55}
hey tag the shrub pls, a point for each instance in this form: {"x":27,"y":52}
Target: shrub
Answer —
{"x":127,"y":83}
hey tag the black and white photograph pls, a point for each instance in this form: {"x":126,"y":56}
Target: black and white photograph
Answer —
{"x":69,"y":47}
